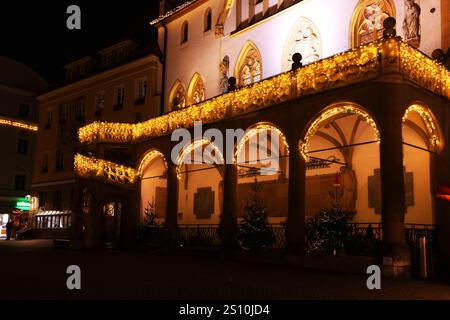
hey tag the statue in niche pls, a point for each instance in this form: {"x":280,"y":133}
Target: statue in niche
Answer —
{"x":372,"y":26}
{"x":224,"y":68}
{"x":411,"y":23}
{"x":305,"y":40}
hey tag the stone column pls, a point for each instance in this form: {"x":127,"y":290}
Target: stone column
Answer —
{"x":295,"y":237}
{"x":396,"y":255}
{"x":172,"y":203}
{"x":229,"y":210}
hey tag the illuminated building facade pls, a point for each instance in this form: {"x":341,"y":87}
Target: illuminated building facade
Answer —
{"x":19,"y":86}
{"x":366,"y":116}
{"x":120,"y":83}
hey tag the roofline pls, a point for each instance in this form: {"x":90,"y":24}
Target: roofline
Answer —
{"x":176,"y":12}
{"x":97,"y":77}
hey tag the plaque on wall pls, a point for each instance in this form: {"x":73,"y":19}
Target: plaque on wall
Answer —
{"x":160,"y":202}
{"x":374,"y":189}
{"x":204,"y":203}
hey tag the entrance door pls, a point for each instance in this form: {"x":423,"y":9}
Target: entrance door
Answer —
{"x":112,"y":215}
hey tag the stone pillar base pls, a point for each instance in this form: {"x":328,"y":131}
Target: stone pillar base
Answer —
{"x":397,"y":262}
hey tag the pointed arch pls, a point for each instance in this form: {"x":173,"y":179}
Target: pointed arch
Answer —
{"x":196,"y":90}
{"x":207,"y":23}
{"x":304,"y":38}
{"x":431,"y":133}
{"x":249,"y":67}
{"x":147,"y":159}
{"x":333,"y":112}
{"x":177,"y":96}
{"x":367,"y":21}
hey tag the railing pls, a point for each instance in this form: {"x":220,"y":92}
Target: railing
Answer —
{"x":52,"y":221}
{"x":416,"y":231}
{"x":198,"y":235}
{"x":369,"y":230}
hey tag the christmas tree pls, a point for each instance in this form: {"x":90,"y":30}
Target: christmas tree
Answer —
{"x":254,"y":231}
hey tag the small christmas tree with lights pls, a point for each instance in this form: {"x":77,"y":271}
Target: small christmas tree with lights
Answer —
{"x":254,"y":231}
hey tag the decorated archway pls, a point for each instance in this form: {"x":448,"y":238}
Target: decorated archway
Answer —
{"x":177,"y":96}
{"x":196,"y":90}
{"x":153,"y":185}
{"x":341,"y":150}
{"x":200,"y":183}
{"x":249,"y":68}
{"x":422,"y":141}
{"x":263,"y":170}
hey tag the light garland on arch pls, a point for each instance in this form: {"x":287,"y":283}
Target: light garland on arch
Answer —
{"x":430,"y":124}
{"x":330,"y":113}
{"x":253,"y":132}
{"x":150,"y":156}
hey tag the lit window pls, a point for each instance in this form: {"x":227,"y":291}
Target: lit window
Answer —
{"x":177,"y":98}
{"x":141,"y":90}
{"x":367,"y":21}
{"x":196,"y":92}
{"x":249,"y":69}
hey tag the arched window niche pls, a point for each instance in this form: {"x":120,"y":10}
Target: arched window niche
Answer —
{"x":249,"y":65}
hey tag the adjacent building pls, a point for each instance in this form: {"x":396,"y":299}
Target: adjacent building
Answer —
{"x":19,"y":86}
{"x":118,"y":84}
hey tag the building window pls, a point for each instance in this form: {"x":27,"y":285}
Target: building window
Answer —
{"x":249,"y":67}
{"x":20,"y":182}
{"x":141,"y":91}
{"x":82,"y":70}
{"x":24,"y":111}
{"x":59,"y":160}
{"x":44,"y":166}
{"x":119,"y":98}
{"x":42,"y":200}
{"x":79,"y":110}
{"x":208,"y":20}
{"x":48,"y":123}
{"x":99,"y":103}
{"x":177,"y":98}
{"x":22,"y":146}
{"x":184,"y":33}
{"x":367,"y":21}
{"x":196,"y":92}
{"x":57,"y":200}
{"x":63,"y":113}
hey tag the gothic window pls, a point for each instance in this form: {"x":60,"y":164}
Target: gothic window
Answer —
{"x":304,"y":39}
{"x":184,"y":33}
{"x":208,"y":20}
{"x":196,"y":92}
{"x":367,"y":21}
{"x":177,"y":98}
{"x":249,"y":66}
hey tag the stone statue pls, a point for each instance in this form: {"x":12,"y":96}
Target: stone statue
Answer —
{"x":372,"y":24}
{"x":224,"y":68}
{"x":307,"y":44}
{"x":411,"y":23}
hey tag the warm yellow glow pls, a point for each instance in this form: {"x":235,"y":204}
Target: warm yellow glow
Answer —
{"x":333,"y":112}
{"x":17,"y":124}
{"x":172,"y":12}
{"x":253,"y":132}
{"x":354,"y":66}
{"x":431,"y":125}
{"x":149,"y":157}
{"x":102,"y":169}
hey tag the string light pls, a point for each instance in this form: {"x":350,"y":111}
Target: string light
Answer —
{"x":430,"y":124}
{"x":17,"y":124}
{"x":102,"y":169}
{"x":338,"y":110}
{"x":149,"y":157}
{"x":172,"y":12}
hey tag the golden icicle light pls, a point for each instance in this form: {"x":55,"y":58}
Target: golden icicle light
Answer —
{"x":17,"y":124}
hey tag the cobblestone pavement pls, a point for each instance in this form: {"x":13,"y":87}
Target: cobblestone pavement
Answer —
{"x":35,"y":270}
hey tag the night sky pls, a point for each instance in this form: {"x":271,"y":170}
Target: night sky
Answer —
{"x":35,"y":32}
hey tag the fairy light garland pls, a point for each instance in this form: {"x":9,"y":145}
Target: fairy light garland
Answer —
{"x":335,"y":111}
{"x":17,"y":124}
{"x":149,"y":157}
{"x":172,"y":12}
{"x":430,"y":124}
{"x":102,"y":169}
{"x":253,"y":132}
